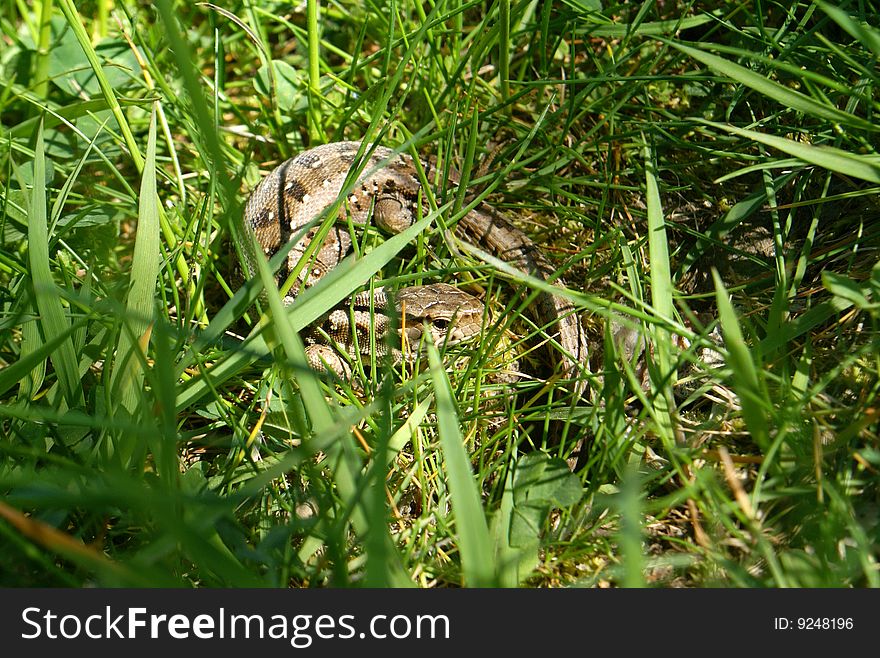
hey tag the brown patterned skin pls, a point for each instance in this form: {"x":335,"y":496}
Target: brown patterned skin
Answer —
{"x":300,"y":189}
{"x":437,"y":313}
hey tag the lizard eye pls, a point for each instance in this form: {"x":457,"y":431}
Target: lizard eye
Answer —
{"x":441,"y":323}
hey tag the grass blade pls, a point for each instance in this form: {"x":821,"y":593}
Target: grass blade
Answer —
{"x":670,"y":27}
{"x":661,"y":295}
{"x":128,"y":376}
{"x":477,"y":556}
{"x":782,"y":95}
{"x":866,"y":34}
{"x":70,"y":13}
{"x":833,"y":159}
{"x":746,"y":381}
{"x":53,"y":322}
{"x":31,"y":341}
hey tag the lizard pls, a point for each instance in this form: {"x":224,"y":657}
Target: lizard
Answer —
{"x":388,"y":190}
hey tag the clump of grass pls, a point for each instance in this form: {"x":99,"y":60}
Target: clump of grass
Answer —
{"x":703,"y":177}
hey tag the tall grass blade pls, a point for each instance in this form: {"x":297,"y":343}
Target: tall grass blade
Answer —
{"x":506,"y":556}
{"x":128,"y":376}
{"x":82,"y":37}
{"x":31,"y":340}
{"x":313,"y":10}
{"x":746,"y":380}
{"x":41,"y":64}
{"x":53,"y":320}
{"x":631,"y":534}
{"x":477,"y":557}
{"x":865,"y":167}
{"x":773,"y":90}
{"x":661,"y":297}
{"x":504,"y":49}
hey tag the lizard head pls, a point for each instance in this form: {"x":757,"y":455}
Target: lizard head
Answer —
{"x":449,"y":315}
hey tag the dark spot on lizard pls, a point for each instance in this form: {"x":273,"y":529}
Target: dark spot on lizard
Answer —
{"x":295,"y":189}
{"x":308,"y":159}
{"x":264,"y":217}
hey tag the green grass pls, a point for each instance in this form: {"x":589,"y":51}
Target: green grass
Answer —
{"x":704,"y":177}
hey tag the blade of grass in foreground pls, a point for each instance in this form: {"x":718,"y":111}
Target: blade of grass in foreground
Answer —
{"x":745,"y":375}
{"x":31,"y":341}
{"x":631,"y":534}
{"x":661,"y":298}
{"x":505,"y":554}
{"x":128,"y":376}
{"x":477,"y":557}
{"x":52,"y":318}
{"x":390,"y":572}
{"x":618,"y":30}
